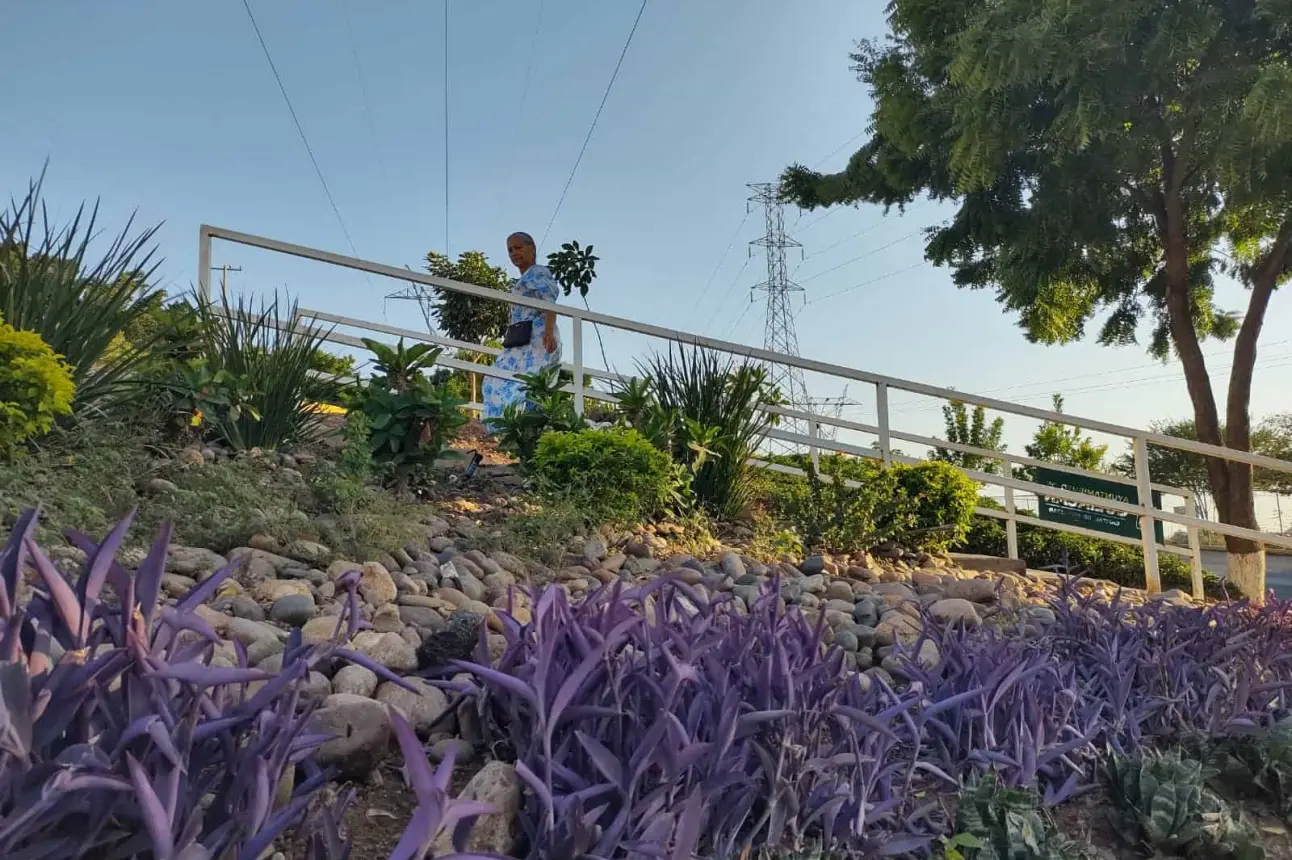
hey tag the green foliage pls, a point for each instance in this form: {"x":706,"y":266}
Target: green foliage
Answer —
{"x":1066,"y":445}
{"x":341,"y":486}
{"x":399,"y":367}
{"x":1251,"y":765}
{"x":260,"y":363}
{"x":79,"y":299}
{"x":574,"y":268}
{"x":412,"y":419}
{"x":708,"y":411}
{"x":1102,"y":559}
{"x":464,"y":317}
{"x":615,"y":473}
{"x":976,"y":433}
{"x":35,"y":386}
{"x":994,"y":822}
{"x":860,"y":504}
{"x":546,"y":409}
{"x":1161,"y":801}
{"x":1171,"y":466}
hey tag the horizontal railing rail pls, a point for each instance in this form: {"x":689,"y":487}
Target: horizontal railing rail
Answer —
{"x":1143,"y":509}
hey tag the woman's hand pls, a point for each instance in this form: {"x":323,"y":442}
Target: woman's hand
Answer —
{"x":549,"y":340}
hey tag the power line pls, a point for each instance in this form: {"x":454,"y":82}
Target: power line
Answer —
{"x":875,"y":280}
{"x":856,"y":137}
{"x":705,"y":289}
{"x":586,"y":140}
{"x":831,"y":211}
{"x":524,"y":100}
{"x":872,"y":252}
{"x":363,"y":91}
{"x":730,"y":287}
{"x":299,"y":129}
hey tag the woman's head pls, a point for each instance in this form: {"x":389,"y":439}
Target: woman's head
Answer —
{"x":521,"y":250}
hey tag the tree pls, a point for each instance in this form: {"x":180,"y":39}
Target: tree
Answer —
{"x":468,"y":318}
{"x":1107,"y":158}
{"x":1273,"y":438}
{"x":975,"y":432}
{"x":1174,"y":467}
{"x":1066,"y":445}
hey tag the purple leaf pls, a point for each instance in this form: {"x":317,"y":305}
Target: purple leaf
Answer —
{"x":156,"y":817}
{"x":203,"y":675}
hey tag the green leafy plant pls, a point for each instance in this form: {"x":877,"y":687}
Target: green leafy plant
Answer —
{"x":464,"y":317}
{"x":80,"y":292}
{"x":1255,"y":765}
{"x":616,"y":474}
{"x":995,"y":822}
{"x":263,"y":361}
{"x":201,"y":399}
{"x":412,"y":418}
{"x":1161,"y":802}
{"x":342,"y":485}
{"x":547,"y":408}
{"x":573,"y":267}
{"x":35,"y":386}
{"x":708,"y":412}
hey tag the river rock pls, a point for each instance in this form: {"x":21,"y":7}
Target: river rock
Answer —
{"x":387,"y":649}
{"x":955,"y":610}
{"x":496,"y":785}
{"x":355,"y":680}
{"x":361,"y":734}
{"x":420,"y":709}
{"x":376,"y":584}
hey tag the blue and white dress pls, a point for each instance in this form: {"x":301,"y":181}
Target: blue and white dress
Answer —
{"x":536,"y":283}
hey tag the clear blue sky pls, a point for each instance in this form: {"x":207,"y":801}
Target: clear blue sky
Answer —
{"x":170,"y":108}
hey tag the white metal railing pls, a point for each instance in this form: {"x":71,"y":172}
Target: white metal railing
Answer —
{"x":1144,"y":509}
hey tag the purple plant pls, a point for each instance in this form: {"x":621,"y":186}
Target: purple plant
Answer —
{"x":650,"y":722}
{"x":118,"y":738}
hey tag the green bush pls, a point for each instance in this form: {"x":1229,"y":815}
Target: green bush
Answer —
{"x":927,"y":506}
{"x":617,"y":474}
{"x":546,"y":409}
{"x":342,"y":486}
{"x":1103,"y":559}
{"x":35,"y":386}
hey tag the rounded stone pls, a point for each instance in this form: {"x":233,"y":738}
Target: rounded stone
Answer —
{"x":293,"y":609}
{"x":355,"y":680}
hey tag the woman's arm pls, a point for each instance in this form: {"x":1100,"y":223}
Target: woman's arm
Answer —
{"x":549,"y":330}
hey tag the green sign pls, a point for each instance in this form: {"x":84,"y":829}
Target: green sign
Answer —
{"x":1089,"y":516}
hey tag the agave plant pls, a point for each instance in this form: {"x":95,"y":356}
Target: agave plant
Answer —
{"x":1161,"y":802}
{"x":80,"y":300}
{"x":121,"y":736}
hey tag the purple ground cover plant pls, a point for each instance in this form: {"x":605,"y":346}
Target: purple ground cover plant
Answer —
{"x":650,"y":722}
{"x":119,"y":739}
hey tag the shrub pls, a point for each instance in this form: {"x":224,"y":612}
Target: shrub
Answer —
{"x":342,"y":485}
{"x":929,"y":505}
{"x":412,"y":420}
{"x":126,"y":736}
{"x":547,"y":408}
{"x":80,"y":305}
{"x":616,"y":474}
{"x":35,"y":386}
{"x":708,"y":411}
{"x":1099,"y":559}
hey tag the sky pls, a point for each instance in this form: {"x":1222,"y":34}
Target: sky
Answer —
{"x":170,"y":111}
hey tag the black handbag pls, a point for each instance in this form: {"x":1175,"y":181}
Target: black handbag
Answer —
{"x":518,"y":334}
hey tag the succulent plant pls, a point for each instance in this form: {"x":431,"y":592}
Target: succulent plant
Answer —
{"x":996,"y":822}
{"x":1161,"y":802}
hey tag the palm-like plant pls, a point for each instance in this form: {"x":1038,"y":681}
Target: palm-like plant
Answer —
{"x":81,"y":302}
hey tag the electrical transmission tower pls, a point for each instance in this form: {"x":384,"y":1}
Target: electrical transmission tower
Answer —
{"x":779,"y":334}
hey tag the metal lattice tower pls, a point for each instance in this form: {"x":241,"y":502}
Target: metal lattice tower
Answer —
{"x":779,"y":334}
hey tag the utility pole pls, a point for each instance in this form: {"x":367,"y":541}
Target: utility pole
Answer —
{"x":224,"y":276}
{"x":780,"y":334}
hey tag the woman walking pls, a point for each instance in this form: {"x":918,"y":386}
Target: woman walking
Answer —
{"x":532,"y":342}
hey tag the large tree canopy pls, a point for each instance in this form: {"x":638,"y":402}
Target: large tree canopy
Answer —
{"x":1110,"y":159}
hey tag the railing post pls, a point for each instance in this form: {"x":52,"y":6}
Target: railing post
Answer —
{"x":1195,"y":549}
{"x":577,"y":341}
{"x":204,"y":264}
{"x":813,"y":451}
{"x":1011,"y":524}
{"x":1148,"y":535}
{"x":881,"y":407}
